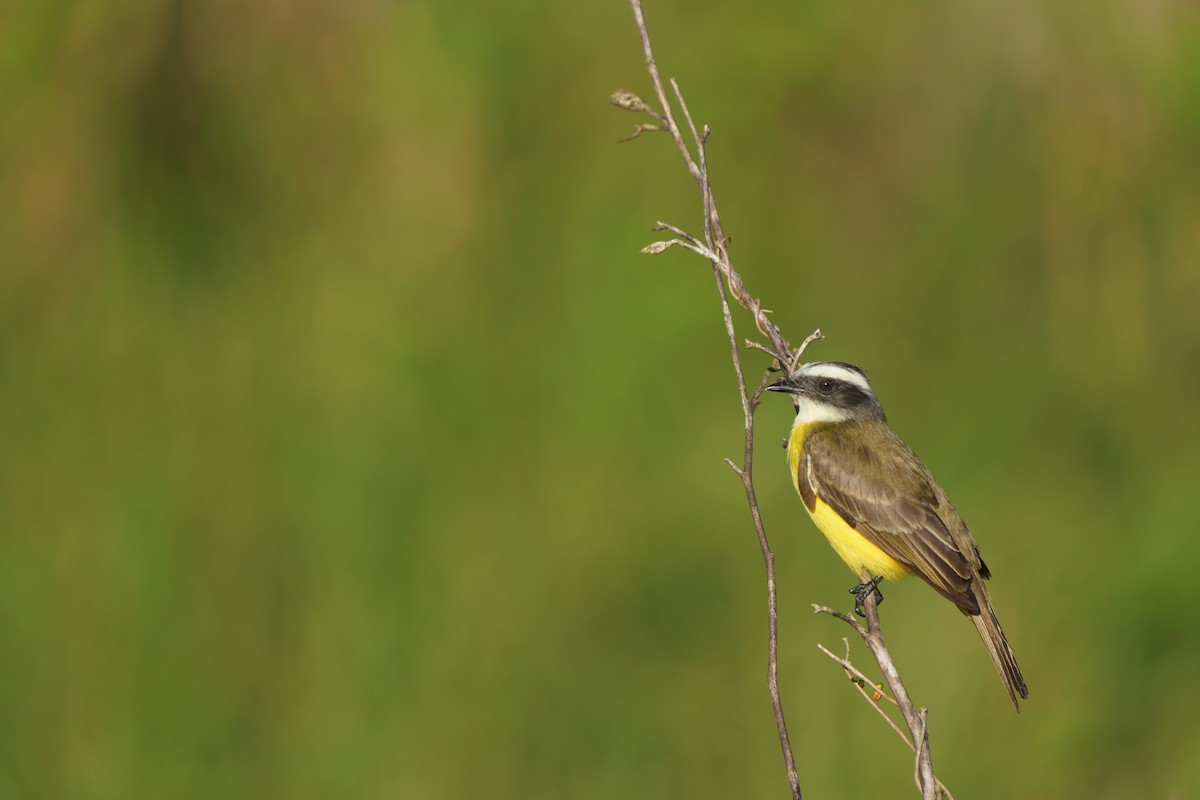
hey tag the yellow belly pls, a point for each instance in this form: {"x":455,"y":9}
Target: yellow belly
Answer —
{"x":854,"y":548}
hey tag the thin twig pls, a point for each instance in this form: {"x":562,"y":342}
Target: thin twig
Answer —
{"x":872,"y":636}
{"x":927,"y":782}
{"x":923,"y":769}
{"x":695,"y":165}
{"x":860,"y":680}
{"x":794,"y":364}
{"x":746,"y":473}
{"x":715,"y":251}
{"x":759,"y":346}
{"x":667,"y":116}
{"x":846,"y":618}
{"x":682,"y":234}
{"x":853,"y":673}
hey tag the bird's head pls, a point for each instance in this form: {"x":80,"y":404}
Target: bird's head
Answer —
{"x":830,"y":391}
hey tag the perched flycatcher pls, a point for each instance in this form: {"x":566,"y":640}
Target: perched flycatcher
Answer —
{"x":878,"y":504}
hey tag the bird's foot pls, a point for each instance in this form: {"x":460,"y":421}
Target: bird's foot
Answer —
{"x":864,"y":590}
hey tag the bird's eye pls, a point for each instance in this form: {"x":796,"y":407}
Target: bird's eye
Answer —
{"x":826,"y":385}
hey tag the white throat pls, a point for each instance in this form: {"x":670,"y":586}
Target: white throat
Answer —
{"x":809,"y":411}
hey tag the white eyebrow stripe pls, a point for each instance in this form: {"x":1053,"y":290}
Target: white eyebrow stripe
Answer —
{"x":823,"y":369}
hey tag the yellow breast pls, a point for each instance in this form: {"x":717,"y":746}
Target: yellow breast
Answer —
{"x":856,"y":550}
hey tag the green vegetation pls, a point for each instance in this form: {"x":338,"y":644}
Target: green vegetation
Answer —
{"x":350,"y":449}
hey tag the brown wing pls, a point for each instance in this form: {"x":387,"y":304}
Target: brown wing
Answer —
{"x":908,"y":517}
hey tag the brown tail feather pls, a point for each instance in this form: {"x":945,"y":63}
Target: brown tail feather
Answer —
{"x":997,"y":646}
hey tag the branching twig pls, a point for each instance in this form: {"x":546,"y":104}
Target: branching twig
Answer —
{"x":698,"y":169}
{"x":861,"y":681}
{"x":714,"y":248}
{"x":872,"y":636}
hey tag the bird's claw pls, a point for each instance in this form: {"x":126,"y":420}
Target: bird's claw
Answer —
{"x":864,"y":590}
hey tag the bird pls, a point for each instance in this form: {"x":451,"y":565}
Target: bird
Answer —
{"x":879,"y":505}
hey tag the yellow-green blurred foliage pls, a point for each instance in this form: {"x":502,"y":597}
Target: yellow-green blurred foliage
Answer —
{"x":350,"y":449}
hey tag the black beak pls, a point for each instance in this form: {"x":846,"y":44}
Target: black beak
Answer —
{"x":784,"y":385}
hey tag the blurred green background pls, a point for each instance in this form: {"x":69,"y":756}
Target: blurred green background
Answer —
{"x":350,"y":449}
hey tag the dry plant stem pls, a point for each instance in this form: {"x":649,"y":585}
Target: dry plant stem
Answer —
{"x":697,"y":167}
{"x":746,"y":473}
{"x":872,"y":635}
{"x":714,"y":249}
{"x":860,"y":680}
{"x":923,"y":769}
{"x":854,"y":673}
{"x":926,"y":781}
